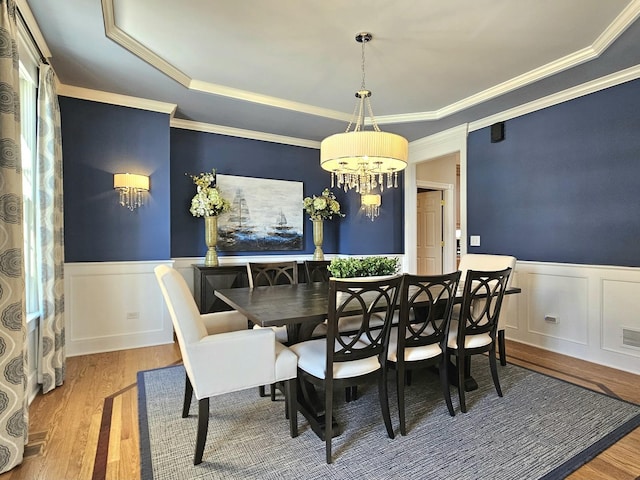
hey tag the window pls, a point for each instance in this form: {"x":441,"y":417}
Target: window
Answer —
{"x":28,"y":119}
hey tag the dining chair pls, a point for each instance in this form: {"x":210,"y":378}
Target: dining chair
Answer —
{"x":339,"y":361}
{"x":262,"y":274}
{"x":316,"y":270}
{"x":486,"y":262}
{"x":420,"y":339}
{"x":474,"y":332}
{"x":214,"y":352}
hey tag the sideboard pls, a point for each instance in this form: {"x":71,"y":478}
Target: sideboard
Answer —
{"x":208,"y":279}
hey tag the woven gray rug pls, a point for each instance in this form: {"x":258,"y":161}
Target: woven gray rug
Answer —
{"x":541,"y":428}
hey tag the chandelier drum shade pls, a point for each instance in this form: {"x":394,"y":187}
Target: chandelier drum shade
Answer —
{"x":363,"y":160}
{"x":131,"y":187}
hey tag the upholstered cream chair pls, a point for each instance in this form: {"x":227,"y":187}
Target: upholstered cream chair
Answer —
{"x":485,"y":262}
{"x":221,"y":355}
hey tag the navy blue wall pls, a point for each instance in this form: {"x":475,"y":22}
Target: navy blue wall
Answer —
{"x":195,"y":152}
{"x":99,"y":140}
{"x":564,"y":185}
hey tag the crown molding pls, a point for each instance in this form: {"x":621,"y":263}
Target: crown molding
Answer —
{"x":129,"y":43}
{"x":241,"y":133}
{"x":252,"y":97}
{"x":628,"y":15}
{"x":593,"y":86}
{"x":116,"y":99}
{"x":33,"y":27}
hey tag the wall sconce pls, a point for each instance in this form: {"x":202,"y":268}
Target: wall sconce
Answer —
{"x":130,"y":186}
{"x":370,"y":203}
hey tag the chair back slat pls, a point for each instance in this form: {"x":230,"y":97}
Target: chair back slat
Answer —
{"x":426,"y":302}
{"x":316,"y":270}
{"x":368,"y":300}
{"x":481,"y":302}
{"x":272,"y":273}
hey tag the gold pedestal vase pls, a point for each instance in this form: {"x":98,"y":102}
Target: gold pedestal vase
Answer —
{"x":211,"y":238}
{"x":318,"y":237}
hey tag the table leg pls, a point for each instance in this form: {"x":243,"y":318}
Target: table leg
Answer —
{"x":312,"y":409}
{"x":470,"y":383}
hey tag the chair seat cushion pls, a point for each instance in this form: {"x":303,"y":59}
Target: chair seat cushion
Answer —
{"x":312,"y":358}
{"x":411,"y":354}
{"x":470,"y":341}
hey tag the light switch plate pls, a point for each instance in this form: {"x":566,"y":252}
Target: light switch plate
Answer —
{"x":474,"y":241}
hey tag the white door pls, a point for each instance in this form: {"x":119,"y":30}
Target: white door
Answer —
{"x":430,"y":240}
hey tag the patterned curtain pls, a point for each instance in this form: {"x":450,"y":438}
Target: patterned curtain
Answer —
{"x":13,"y":382}
{"x":50,"y":237}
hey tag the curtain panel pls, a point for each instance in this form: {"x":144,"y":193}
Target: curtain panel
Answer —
{"x":13,"y":381}
{"x":50,"y":237}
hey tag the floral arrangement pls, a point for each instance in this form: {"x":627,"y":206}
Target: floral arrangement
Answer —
{"x":363,"y":267}
{"x":207,"y":202}
{"x":322,"y":207}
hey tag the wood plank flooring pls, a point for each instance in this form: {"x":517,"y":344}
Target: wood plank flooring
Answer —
{"x":88,"y":429}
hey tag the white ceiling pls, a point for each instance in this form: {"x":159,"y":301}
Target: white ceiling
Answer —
{"x":291,"y":68}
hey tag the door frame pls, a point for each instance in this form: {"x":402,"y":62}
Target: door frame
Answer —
{"x":425,"y":149}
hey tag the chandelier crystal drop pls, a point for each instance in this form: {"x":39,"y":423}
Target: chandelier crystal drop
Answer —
{"x":364,"y":160}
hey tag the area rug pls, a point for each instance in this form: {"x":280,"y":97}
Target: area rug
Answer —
{"x":543,"y":428}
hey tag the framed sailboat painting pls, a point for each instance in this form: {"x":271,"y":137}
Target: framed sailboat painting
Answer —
{"x":265,"y":214}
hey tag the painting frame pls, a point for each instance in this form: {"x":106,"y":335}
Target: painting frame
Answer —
{"x":266,"y":215}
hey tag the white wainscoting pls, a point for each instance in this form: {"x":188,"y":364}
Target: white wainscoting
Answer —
{"x":118,"y":305}
{"x":592,"y":305}
{"x":115,"y":306}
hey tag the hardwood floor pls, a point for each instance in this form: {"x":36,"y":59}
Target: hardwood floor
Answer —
{"x":70,"y":425}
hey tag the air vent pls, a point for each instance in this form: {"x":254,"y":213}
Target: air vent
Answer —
{"x":631,"y":338}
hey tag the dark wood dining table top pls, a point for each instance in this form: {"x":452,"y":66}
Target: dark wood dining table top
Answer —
{"x":285,"y":304}
{"x":281,"y":304}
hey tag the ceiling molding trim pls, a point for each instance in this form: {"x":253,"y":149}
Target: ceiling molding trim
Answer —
{"x":133,"y":46}
{"x":628,"y":15}
{"x":252,"y":97}
{"x":112,"y":31}
{"x":116,"y":99}
{"x":33,"y":27}
{"x":241,"y":133}
{"x":626,"y":18}
{"x":593,"y":86}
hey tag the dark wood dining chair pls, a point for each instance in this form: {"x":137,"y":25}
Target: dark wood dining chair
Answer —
{"x":316,"y":270}
{"x":420,"y":339}
{"x":262,"y":274}
{"x":349,"y":360}
{"x":481,"y":261}
{"x":474,"y":331}
{"x":272,"y":273}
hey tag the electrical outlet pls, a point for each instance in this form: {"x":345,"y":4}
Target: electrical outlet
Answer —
{"x":551,"y":319}
{"x":133,"y":315}
{"x":474,"y":241}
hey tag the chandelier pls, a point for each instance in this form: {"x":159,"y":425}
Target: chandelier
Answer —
{"x":364,"y":160}
{"x":370,"y":203}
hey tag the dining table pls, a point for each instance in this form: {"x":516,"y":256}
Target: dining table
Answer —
{"x":300,"y":308}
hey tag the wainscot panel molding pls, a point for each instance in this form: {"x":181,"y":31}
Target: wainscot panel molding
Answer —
{"x":114,"y":306}
{"x":594,"y":307}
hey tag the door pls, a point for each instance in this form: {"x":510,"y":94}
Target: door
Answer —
{"x":429,"y":226}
